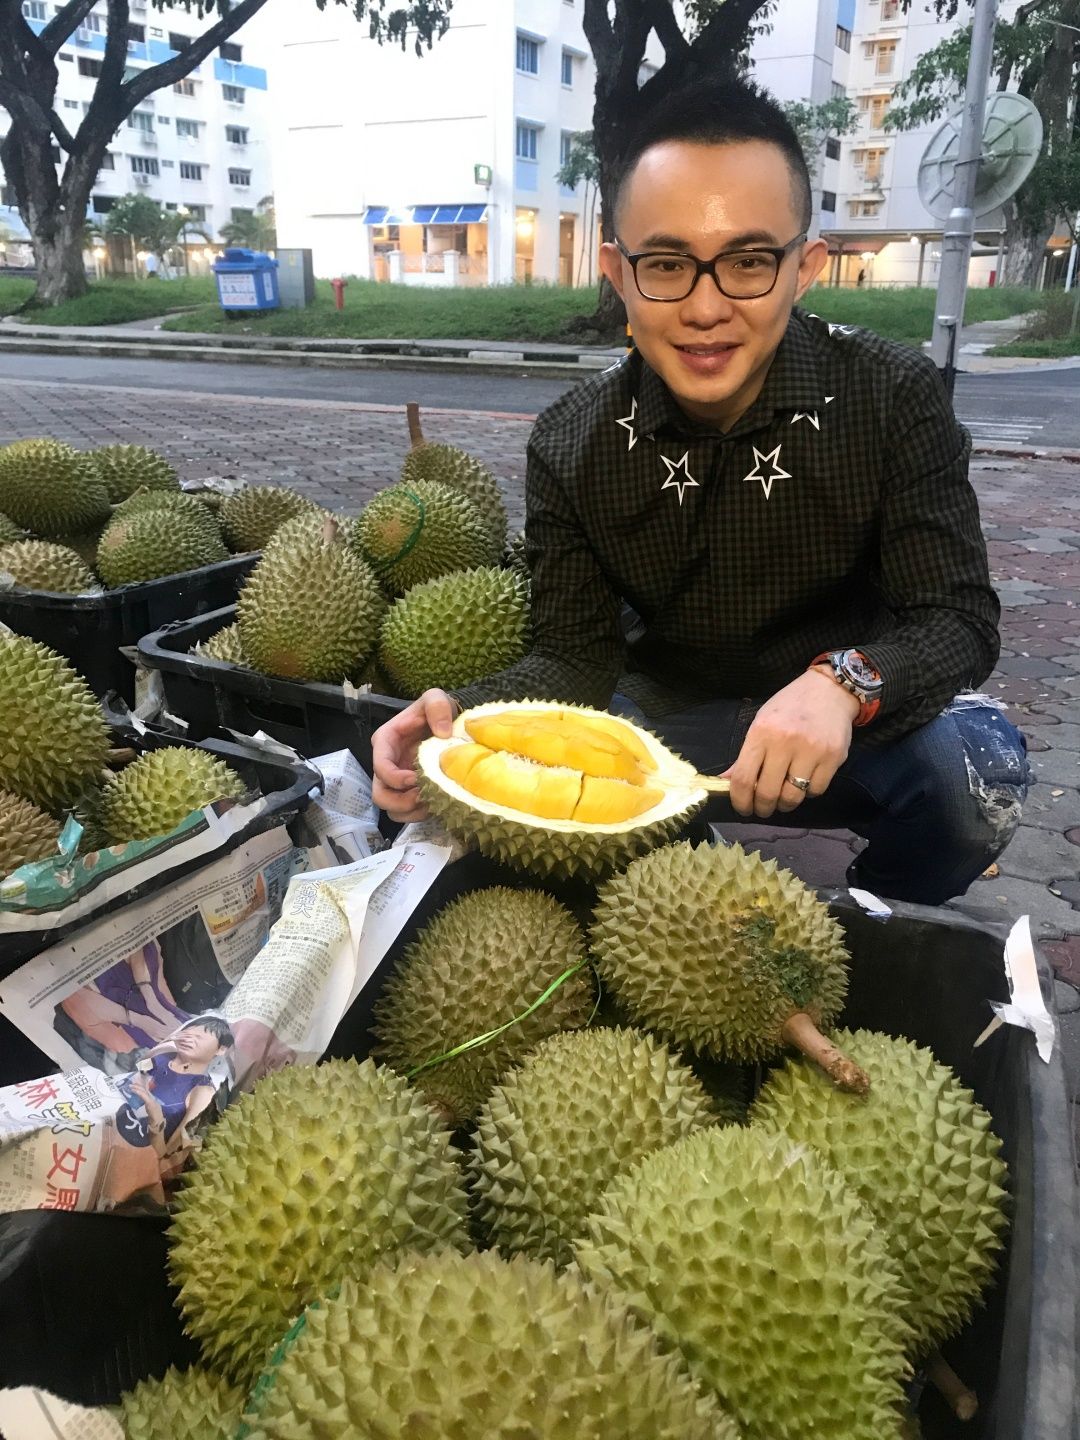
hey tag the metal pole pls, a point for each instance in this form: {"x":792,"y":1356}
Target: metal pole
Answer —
{"x":959,"y":231}
{"x":1070,"y":274}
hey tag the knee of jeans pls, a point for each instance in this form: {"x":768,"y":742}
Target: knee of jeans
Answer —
{"x":997,"y":768}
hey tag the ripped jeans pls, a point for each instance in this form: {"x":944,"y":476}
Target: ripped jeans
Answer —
{"x":936,"y":807}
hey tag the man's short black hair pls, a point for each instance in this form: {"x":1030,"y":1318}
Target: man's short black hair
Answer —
{"x":710,"y":112}
{"x":213,"y":1025}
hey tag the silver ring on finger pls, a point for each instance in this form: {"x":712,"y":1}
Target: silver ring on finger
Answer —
{"x":798,"y":782}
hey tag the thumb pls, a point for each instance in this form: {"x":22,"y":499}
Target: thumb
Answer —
{"x":439,"y":712}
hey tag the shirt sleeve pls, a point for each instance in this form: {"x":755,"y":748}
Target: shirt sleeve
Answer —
{"x":933,"y":576}
{"x":577,"y":644}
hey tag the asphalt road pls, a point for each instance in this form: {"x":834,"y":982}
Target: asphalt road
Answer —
{"x":1037,"y":407}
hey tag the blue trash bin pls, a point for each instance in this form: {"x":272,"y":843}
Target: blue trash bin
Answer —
{"x":247,"y":280}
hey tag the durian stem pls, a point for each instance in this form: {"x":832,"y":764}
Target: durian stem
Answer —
{"x":801,"y":1032}
{"x":412,"y":414}
{"x":122,"y":755}
{"x":964,"y":1403}
{"x":714,"y":784}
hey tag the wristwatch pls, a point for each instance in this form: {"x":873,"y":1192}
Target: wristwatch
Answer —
{"x":854,"y":672}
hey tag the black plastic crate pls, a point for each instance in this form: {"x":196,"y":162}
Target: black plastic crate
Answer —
{"x":314,"y":718}
{"x":90,"y":629}
{"x":926,"y":974}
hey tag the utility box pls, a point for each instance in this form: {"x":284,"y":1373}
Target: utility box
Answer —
{"x":296,"y":279}
{"x":247,"y":280}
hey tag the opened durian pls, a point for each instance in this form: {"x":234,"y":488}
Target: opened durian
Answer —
{"x":721,"y":951}
{"x":556,"y":1132}
{"x":448,"y":1347}
{"x":919,"y":1152}
{"x":190,"y":1404}
{"x":447,"y":465}
{"x":51,"y":489}
{"x":485,"y":958}
{"x":751,"y":1255}
{"x":153,"y":794}
{"x":413,"y":533}
{"x":313,"y":1177}
{"x":127,"y":468}
{"x":556,"y":788}
{"x":250,"y":517}
{"x":41,"y":565}
{"x":26,"y":833}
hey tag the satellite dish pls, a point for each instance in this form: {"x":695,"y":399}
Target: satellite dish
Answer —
{"x":1012,"y":139}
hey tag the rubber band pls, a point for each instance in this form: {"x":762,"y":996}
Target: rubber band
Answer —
{"x":414,"y":535}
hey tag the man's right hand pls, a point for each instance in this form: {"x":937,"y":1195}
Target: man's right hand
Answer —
{"x":393,"y":749}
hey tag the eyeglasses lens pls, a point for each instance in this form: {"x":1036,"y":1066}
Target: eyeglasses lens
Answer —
{"x":671,"y":277}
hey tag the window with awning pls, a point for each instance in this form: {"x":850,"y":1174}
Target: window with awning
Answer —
{"x":472,"y":214}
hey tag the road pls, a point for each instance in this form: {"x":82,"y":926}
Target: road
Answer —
{"x":1037,"y":407}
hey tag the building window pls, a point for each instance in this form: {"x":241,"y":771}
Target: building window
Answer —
{"x":828,"y":199}
{"x":886,"y":58}
{"x":836,"y":91}
{"x":91,"y":68}
{"x":567,"y":69}
{"x":228,"y":51}
{"x":879,"y":105}
{"x":843,"y":39}
{"x":102,"y":204}
{"x":168,"y":164}
{"x":864,"y":209}
{"x":56,"y":157}
{"x":144,"y":165}
{"x":234,"y":94}
{"x":65,"y":56}
{"x":240,"y":177}
{"x":196,"y":212}
{"x":7,"y":195}
{"x":528,"y":55}
{"x":108,"y":161}
{"x":566,"y":144}
{"x":164,"y":119}
{"x":527,"y":138}
{"x":91,"y":22}
{"x":889,"y":9}
{"x":184,"y":87}
{"x":136,"y":34}
{"x":236,"y":134}
{"x":832,"y":148}
{"x":870,"y":163}
{"x":236,"y":215}
{"x":191,"y":170}
{"x":71,"y":104}
{"x":34,"y":9}
{"x":141,"y":120}
{"x":190,"y":128}
{"x":177,"y":41}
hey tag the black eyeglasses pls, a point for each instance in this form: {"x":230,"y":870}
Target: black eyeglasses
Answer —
{"x":739,"y":274}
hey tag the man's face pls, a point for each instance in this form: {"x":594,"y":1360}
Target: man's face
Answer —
{"x":711,"y":351}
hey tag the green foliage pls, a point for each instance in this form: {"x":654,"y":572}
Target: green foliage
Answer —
{"x":114,"y":302}
{"x":387,"y":19}
{"x":254,"y":229}
{"x":581,"y":163}
{"x":1056,"y":318}
{"x":908,"y":314}
{"x":144,"y":221}
{"x":814,"y":124}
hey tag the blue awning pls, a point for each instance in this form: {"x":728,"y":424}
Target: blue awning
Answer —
{"x":383,"y":215}
{"x":426,"y":215}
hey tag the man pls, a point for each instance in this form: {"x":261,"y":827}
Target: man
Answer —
{"x":784,"y":506}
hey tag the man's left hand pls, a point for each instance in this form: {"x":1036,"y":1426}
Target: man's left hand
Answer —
{"x":803,"y":732}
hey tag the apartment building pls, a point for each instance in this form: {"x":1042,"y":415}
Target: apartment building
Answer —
{"x":201,"y":146}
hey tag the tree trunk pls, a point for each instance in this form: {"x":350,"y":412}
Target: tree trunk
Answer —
{"x":1024,"y":252}
{"x":59,"y":253}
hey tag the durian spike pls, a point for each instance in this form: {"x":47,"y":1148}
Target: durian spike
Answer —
{"x":964,"y":1403}
{"x":412,"y":414}
{"x":800,"y":1031}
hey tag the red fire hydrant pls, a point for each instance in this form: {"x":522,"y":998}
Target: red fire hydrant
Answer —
{"x":339,"y":293}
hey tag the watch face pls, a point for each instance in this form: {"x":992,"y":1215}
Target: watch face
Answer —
{"x":860,"y":670}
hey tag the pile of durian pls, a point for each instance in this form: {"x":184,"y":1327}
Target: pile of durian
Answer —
{"x":57,"y":759}
{"x":73,"y":521}
{"x":419,"y":591}
{"x":551,"y":1204}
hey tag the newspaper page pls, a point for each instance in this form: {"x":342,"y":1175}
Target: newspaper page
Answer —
{"x":29,"y":1414}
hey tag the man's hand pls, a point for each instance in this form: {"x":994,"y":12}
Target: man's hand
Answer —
{"x":804,"y":730}
{"x":393,"y":750}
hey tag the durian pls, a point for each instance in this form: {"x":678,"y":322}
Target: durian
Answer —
{"x":447,"y":465}
{"x":84,"y":543}
{"x":553,"y":815}
{"x":41,"y":565}
{"x":311,"y":609}
{"x":555,"y":1133}
{"x":10,"y":532}
{"x":483,"y":959}
{"x":53,"y":741}
{"x":413,"y":533}
{"x":26,"y":833}
{"x":177,"y":503}
{"x":183,"y":1405}
{"x":153,"y":794}
{"x":313,"y":1177}
{"x":153,"y":543}
{"x":454,"y":630}
{"x":51,"y":489}
{"x":447,"y":1347}
{"x":752,"y":1257}
{"x":250,"y":517}
{"x":517,"y":558}
{"x":920,"y":1154}
{"x":127,"y":468}
{"x":719,"y":950}
{"x":224,"y":644}
{"x":311,"y":525}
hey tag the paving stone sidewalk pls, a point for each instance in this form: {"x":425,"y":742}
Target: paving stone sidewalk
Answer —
{"x":340,"y":454}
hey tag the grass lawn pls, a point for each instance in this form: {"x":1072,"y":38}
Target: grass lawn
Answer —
{"x":1041,"y":349}
{"x":1053,"y":332}
{"x":112,"y":302}
{"x":13,"y":291}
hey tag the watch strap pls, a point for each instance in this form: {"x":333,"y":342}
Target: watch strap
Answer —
{"x":869,"y":705}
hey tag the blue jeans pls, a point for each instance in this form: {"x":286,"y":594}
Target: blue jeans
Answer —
{"x":936,"y":807}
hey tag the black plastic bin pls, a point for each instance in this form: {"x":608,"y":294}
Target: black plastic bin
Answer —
{"x":314,"y":718}
{"x":926,"y":974}
{"x":90,"y":629}
{"x":286,"y":783}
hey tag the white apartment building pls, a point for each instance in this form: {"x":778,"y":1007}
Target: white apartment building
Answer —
{"x":201,"y":145}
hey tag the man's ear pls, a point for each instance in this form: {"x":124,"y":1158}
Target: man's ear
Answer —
{"x":814,"y":257}
{"x":611,"y":263}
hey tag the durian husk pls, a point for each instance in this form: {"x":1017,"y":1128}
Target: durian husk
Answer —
{"x":150,"y":544}
{"x":126,"y":468}
{"x":752,"y":1257}
{"x":448,"y":465}
{"x":26,"y":833}
{"x":51,"y":489}
{"x":322,"y":1170}
{"x":42,"y":565}
{"x":474,"y":1346}
{"x":192,"y":1404}
{"x":225,"y":644}
{"x":9,"y":531}
{"x":920,"y":1153}
{"x":151,"y":796}
{"x":175,"y":502}
{"x":412,"y":533}
{"x":251,"y":516}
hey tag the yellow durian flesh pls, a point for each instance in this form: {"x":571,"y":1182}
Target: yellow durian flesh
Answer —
{"x":551,"y":740}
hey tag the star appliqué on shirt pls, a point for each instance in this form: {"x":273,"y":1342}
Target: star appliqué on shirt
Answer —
{"x":812,"y":415}
{"x":776,"y":470}
{"x":628,"y":423}
{"x":673,"y":468}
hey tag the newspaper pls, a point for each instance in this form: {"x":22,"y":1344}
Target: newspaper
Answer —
{"x":162,"y":1012}
{"x":28,"y":1414}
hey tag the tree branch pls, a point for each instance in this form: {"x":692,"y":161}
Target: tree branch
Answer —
{"x":661,"y":17}
{"x":64,"y":24}
{"x":726,"y":31}
{"x":169,"y":71}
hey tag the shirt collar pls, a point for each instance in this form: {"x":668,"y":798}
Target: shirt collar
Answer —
{"x":793,"y":382}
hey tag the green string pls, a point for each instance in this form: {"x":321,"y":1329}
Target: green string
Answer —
{"x":413,"y":537}
{"x":486,"y":1039}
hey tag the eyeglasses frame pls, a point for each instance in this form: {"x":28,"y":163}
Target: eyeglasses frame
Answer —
{"x":708,"y":267}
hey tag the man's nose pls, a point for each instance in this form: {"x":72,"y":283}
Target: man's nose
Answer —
{"x":706,"y":304}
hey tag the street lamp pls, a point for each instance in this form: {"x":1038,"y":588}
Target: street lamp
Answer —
{"x":99,"y":256}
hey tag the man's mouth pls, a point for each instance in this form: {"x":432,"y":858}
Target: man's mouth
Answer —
{"x":718,"y":348}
